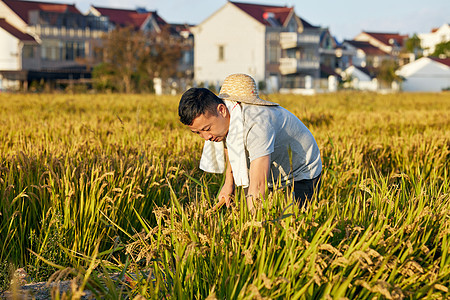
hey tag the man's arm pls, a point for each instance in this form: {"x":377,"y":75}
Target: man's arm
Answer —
{"x":259,"y":171}
{"x":228,"y":187}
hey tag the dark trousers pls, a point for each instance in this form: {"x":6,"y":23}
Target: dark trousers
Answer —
{"x":304,"y":190}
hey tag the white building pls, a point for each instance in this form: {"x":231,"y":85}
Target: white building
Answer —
{"x":16,"y":53}
{"x":270,"y":43}
{"x":359,"y":78}
{"x":426,"y":74}
{"x":428,"y":41}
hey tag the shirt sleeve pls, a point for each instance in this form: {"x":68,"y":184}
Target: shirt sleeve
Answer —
{"x":260,"y":140}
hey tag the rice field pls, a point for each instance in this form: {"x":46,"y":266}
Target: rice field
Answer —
{"x":105,"y":190}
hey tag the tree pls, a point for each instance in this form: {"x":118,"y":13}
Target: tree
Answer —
{"x":413,"y":45}
{"x":131,"y":59}
{"x":386,"y":72}
{"x":442,"y":50}
{"x":163,"y":54}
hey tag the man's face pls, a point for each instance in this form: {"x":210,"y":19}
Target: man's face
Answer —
{"x":212,"y":127}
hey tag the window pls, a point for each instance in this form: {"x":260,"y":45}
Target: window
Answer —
{"x":55,"y":50}
{"x":187,"y":57}
{"x":69,"y":51}
{"x":273,"y":47}
{"x":50,"y":50}
{"x":274,"y":53}
{"x":28,"y":51}
{"x":292,"y":26}
{"x":74,"y":50}
{"x":221,"y":52}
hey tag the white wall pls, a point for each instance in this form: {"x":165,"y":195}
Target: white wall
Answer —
{"x":9,"y":51}
{"x":243,"y":39}
{"x":425,"y":75}
{"x":430,"y":40}
{"x":360,"y":80}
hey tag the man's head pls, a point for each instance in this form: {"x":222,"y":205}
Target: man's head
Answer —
{"x":205,"y":114}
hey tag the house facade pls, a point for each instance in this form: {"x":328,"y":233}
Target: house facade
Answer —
{"x":49,"y":42}
{"x":429,"y":41}
{"x":363,"y":54}
{"x":427,"y":74}
{"x":372,"y":54}
{"x":390,"y":43}
{"x":270,"y":43}
{"x":55,"y":44}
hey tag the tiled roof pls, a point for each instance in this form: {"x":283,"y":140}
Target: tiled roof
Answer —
{"x":444,"y":61}
{"x":366,"y":47}
{"x":386,"y":38}
{"x":262,"y":12}
{"x":307,"y":24}
{"x":22,"y":8}
{"x":128,"y":17}
{"x":15,"y":32}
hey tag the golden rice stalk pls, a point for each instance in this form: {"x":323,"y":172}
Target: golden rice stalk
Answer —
{"x":411,"y":268}
{"x":267,"y":282}
{"x":331,"y":249}
{"x":211,"y":296}
{"x":248,"y":257}
{"x":440,"y":287}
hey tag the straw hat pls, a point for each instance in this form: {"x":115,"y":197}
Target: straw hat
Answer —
{"x":241,"y":88}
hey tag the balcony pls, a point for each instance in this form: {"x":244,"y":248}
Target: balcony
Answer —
{"x":293,"y":65}
{"x":293,"y":39}
{"x":63,"y":32}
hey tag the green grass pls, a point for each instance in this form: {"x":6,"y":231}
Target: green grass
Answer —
{"x":109,"y":186}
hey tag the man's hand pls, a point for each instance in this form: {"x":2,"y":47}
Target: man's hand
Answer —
{"x":228,"y":187}
{"x":225,"y":195}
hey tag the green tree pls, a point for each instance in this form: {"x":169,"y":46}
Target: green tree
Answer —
{"x":104,"y":75}
{"x":413,"y":45}
{"x":386,"y":72}
{"x":442,"y":50}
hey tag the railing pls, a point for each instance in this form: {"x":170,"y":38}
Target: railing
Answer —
{"x":293,"y":65}
{"x":293,"y":39}
{"x":65,"y":32}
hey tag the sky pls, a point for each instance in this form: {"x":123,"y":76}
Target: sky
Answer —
{"x":344,"y":18}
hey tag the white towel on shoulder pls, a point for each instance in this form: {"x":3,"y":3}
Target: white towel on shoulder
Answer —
{"x":213,"y":158}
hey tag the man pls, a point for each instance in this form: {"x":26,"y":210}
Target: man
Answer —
{"x":245,"y":130}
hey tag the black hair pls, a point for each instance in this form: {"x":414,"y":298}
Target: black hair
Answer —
{"x":195,"y":102}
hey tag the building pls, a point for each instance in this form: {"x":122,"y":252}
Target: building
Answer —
{"x":17,"y":52}
{"x":393,"y":44}
{"x":365,"y":54}
{"x":360,"y":78}
{"x":45,"y":42}
{"x":271,"y":43}
{"x":150,"y":22}
{"x":428,"y":41}
{"x":427,"y":74}
{"x":139,"y":19}
{"x":390,"y":43}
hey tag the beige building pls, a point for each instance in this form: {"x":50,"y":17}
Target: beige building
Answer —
{"x":44,"y":41}
{"x":270,"y":43}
